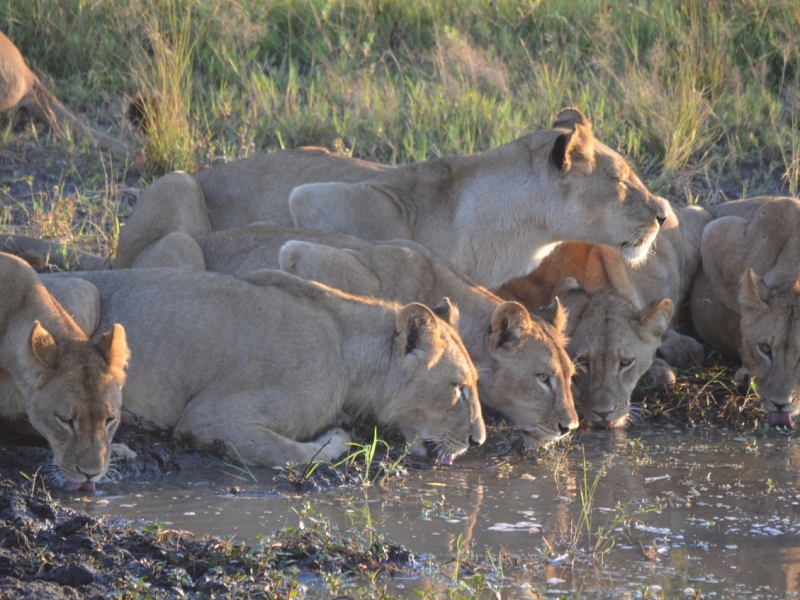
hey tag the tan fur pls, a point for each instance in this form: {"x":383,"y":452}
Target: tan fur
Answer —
{"x":51,"y":374}
{"x":524,"y":370}
{"x":20,"y":87}
{"x":612,"y":343}
{"x":271,"y":364}
{"x":494,"y":215}
{"x":599,"y":269}
{"x":746,"y":299}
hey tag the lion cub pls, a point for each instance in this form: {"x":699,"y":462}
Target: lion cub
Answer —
{"x":746,"y":299}
{"x":270,"y":365}
{"x":524,"y":370}
{"x":51,"y":374}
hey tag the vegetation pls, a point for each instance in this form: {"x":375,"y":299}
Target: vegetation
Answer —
{"x":702,"y":96}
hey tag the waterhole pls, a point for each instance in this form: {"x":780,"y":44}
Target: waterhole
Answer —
{"x":614,"y":514}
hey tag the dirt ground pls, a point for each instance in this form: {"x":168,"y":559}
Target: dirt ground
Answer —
{"x":50,"y":551}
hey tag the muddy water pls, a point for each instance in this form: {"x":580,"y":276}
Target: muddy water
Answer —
{"x":713,"y":511}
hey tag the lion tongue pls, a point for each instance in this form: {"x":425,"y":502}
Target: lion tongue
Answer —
{"x":781,"y":418}
{"x":87,"y":486}
{"x":446,"y":459}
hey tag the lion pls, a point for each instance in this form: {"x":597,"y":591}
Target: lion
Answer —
{"x":746,"y":297}
{"x":625,"y":294}
{"x":19,"y":87}
{"x":524,"y":370}
{"x":494,"y":215}
{"x":272,"y":364}
{"x":398,"y":270}
{"x":67,"y":387}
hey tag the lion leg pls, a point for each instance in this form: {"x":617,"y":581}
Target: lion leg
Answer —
{"x":122,"y":452}
{"x":660,"y":373}
{"x":176,"y":249}
{"x":361,"y":210}
{"x":175,"y":202}
{"x":247,"y":434}
{"x":680,"y":350}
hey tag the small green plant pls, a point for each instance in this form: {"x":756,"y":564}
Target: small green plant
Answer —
{"x":242,"y":467}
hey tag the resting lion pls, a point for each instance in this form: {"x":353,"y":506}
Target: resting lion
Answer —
{"x":272,"y":364}
{"x":494,"y":215}
{"x":51,"y":374}
{"x":524,"y":370}
{"x":746,"y":298}
{"x":502,"y":339}
{"x":635,"y":299}
{"x":20,"y":87}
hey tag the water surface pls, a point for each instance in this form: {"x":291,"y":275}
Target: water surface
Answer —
{"x":717,"y":512}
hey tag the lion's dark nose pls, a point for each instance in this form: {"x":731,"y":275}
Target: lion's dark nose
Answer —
{"x":661,"y":220}
{"x":564,"y":430}
{"x":473,"y":443}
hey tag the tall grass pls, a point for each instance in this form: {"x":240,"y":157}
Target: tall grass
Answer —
{"x":701,"y":95}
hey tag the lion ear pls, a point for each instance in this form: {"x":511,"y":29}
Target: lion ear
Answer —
{"x":655,"y":318}
{"x":555,"y":314}
{"x":42,"y":347}
{"x":574,"y":150}
{"x":331,"y":266}
{"x":574,"y":299}
{"x":568,"y":117}
{"x":447,"y":311}
{"x":753,"y":292}
{"x":113,"y":345}
{"x":510,"y":321}
{"x":417,"y":329}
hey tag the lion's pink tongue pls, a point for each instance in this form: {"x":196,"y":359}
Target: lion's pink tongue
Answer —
{"x":780,"y":418}
{"x":447,"y":459}
{"x":88,"y":486}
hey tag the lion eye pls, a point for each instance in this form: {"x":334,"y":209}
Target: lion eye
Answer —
{"x":625,"y":363}
{"x":110,"y":421}
{"x":765,"y":349}
{"x":66,"y":421}
{"x":622,"y":184}
{"x":544,"y":378}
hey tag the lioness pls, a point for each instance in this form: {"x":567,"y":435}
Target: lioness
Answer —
{"x":20,"y":87}
{"x":633,"y":299}
{"x":494,"y":215}
{"x":524,"y":370}
{"x":746,"y":298}
{"x":271,"y":364}
{"x":51,"y":374}
{"x":523,"y":349}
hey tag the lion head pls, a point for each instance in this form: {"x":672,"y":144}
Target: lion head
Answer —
{"x":612,"y":206}
{"x":73,"y":398}
{"x":769,"y":345}
{"x":436,"y":405}
{"x":531,"y":372}
{"x":613,"y":344}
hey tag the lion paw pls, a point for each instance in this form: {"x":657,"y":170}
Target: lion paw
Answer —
{"x":660,"y":373}
{"x":333,"y":444}
{"x":681,"y":350}
{"x":742,"y":377}
{"x":122,"y":451}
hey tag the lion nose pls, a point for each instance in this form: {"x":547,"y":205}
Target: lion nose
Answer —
{"x":602,"y":415}
{"x":661,"y":220}
{"x":780,"y":407}
{"x":88,"y":476}
{"x":473,"y":443}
